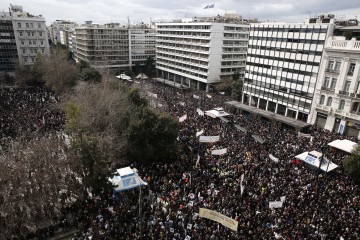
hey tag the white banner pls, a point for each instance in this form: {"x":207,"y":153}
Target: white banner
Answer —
{"x":183,"y":118}
{"x":219,"y":151}
{"x":182,"y":103}
{"x":300,"y":134}
{"x":275,"y":159}
{"x":209,"y":138}
{"x":199,"y":133}
{"x":342,"y":126}
{"x":241,"y":183}
{"x":218,"y":217}
{"x":196,"y":96}
{"x":197,"y":161}
{"x":200,"y":112}
{"x":222,"y":93}
{"x":275,"y":204}
{"x":209,"y":96}
{"x":283,"y":198}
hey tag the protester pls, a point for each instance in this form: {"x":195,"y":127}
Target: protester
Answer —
{"x":317,"y":205}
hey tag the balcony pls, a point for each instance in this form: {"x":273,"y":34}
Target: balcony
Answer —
{"x":354,"y":95}
{"x":330,"y":70}
{"x":343,"y":93}
{"x":327,"y":89}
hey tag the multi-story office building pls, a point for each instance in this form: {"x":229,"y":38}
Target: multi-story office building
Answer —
{"x":113,"y":46}
{"x":58,"y":31}
{"x":22,"y":36}
{"x":336,"y":104}
{"x":8,"y":50}
{"x":200,"y":53}
{"x":283,"y":62}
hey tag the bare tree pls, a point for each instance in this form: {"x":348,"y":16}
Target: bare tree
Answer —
{"x":37,"y":179}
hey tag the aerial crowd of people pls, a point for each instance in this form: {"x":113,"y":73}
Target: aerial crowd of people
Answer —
{"x":238,"y":184}
{"x":316,"y":205}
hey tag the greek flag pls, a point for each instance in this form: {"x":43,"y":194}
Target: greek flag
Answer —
{"x":207,"y":6}
{"x":211,"y":6}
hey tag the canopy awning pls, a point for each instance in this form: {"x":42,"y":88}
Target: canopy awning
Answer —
{"x":127,"y":179}
{"x":344,"y":145}
{"x":313,"y":160}
{"x":125,"y":77}
{"x":216,"y":112}
{"x":141,"y":76}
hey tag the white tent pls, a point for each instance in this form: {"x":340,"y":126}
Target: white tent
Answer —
{"x":217,"y":112}
{"x":313,"y":158}
{"x":344,"y":145}
{"x":124,"y":77}
{"x":141,"y":76}
{"x":126,"y":179}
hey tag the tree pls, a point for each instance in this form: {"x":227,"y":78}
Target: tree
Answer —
{"x":58,"y":73}
{"x":137,"y":68}
{"x":149,"y":67}
{"x":29,"y":75}
{"x":37,"y":181}
{"x":237,"y":88}
{"x":82,"y":65}
{"x":352,"y":165}
{"x":149,"y":137}
{"x":129,"y":72}
{"x":122,"y":124}
{"x":90,"y":74}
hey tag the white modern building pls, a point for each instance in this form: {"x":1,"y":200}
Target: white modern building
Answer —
{"x":200,"y":53}
{"x":111,"y":45}
{"x":336,"y":104}
{"x":283,"y":62}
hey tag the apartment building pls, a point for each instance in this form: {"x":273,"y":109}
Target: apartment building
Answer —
{"x":59,"y":31}
{"x":337,"y":96}
{"x":283,"y":62}
{"x":200,"y":53}
{"x":30,"y":35}
{"x":112,"y":45}
{"x":22,"y":36}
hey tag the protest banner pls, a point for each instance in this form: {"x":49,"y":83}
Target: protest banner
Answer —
{"x":218,"y":217}
{"x":275,"y":204}
{"x":219,"y":151}
{"x":209,"y":138}
{"x":183,"y":118}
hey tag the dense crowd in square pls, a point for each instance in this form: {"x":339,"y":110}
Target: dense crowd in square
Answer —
{"x":317,"y":205}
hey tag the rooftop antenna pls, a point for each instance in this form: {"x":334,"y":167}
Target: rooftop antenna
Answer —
{"x":128,"y":22}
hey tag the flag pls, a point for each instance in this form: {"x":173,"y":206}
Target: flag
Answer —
{"x":211,"y":6}
{"x":207,"y":6}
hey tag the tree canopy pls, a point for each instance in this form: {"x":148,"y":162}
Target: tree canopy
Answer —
{"x":352,"y":165}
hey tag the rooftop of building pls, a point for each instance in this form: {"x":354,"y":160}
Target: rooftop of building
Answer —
{"x":227,"y":18}
{"x":17,"y":11}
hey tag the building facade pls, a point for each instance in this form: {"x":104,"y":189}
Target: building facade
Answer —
{"x":200,"y":53}
{"x":337,"y":97}
{"x":112,"y":45}
{"x":8,"y":50}
{"x":283,"y":62}
{"x":22,"y":37}
{"x":59,"y":30}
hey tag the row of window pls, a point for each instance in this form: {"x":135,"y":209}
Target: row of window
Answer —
{"x":33,"y":50}
{"x":29,"y":25}
{"x":182,"y":53}
{"x":306,"y":29}
{"x":187,"y":34}
{"x":289,"y":70}
{"x":330,"y":100}
{"x":159,"y":64}
{"x":201,"y":27}
{"x":288,"y":40}
{"x":285,"y":50}
{"x":280,"y":97}
{"x":183,"y":59}
{"x":282,"y":60}
{"x":32,"y":34}
{"x":32,"y":42}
